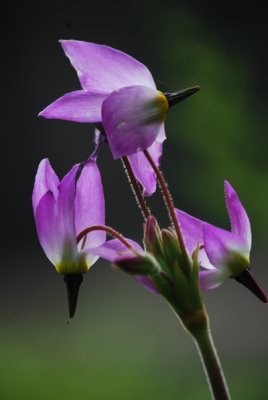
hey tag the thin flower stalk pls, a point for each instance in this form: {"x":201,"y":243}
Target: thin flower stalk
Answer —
{"x":135,"y":187}
{"x":169,"y":202}
{"x":110,"y":232}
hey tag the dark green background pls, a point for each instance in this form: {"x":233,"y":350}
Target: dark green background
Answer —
{"x":124,"y":342}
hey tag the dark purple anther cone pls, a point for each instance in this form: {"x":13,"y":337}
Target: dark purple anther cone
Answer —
{"x":73,"y":282}
{"x":177,"y":97}
{"x":247,"y":280}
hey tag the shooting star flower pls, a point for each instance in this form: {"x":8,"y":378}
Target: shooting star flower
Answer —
{"x":61,"y":210}
{"x":222,"y":254}
{"x":119,"y":93}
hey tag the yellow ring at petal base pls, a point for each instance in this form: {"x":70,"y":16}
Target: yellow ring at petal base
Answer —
{"x":162,"y":105}
{"x":72,"y":267}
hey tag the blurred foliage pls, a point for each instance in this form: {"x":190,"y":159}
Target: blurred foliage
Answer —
{"x":45,"y":363}
{"x":221,"y":132}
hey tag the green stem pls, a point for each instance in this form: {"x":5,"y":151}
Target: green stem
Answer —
{"x":196,"y":322}
{"x":211,"y":363}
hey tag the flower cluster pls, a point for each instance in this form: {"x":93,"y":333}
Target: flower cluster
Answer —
{"x":119,"y":97}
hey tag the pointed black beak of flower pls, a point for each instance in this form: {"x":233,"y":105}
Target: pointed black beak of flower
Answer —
{"x":177,"y":97}
{"x":73,"y":282}
{"x":247,"y":280}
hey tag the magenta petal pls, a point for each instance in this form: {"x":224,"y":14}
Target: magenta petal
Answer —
{"x":114,"y":250}
{"x":54,"y":217}
{"x":47,"y":228}
{"x":143,"y":170}
{"x":66,"y":210}
{"x":131,"y":119}
{"x":211,"y":279}
{"x":89,"y":206}
{"x":45,"y":180}
{"x":104,"y":69}
{"x":77,"y":106}
{"x":192,"y":232}
{"x":220,"y":245}
{"x":238,"y":216}
{"x":161,"y":137}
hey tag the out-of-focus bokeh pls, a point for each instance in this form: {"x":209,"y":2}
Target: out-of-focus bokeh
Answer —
{"x":125,"y":343}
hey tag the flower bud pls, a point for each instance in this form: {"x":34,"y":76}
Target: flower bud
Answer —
{"x":143,"y":264}
{"x":173,"y":254}
{"x":153,"y":236}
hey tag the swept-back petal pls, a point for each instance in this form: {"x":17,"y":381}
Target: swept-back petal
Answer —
{"x":192,"y":232}
{"x":104,"y":69}
{"x":161,"y":137}
{"x":77,"y":106}
{"x":55,"y":222}
{"x":89,"y":206}
{"x":143,"y":170}
{"x":239,"y":219}
{"x":66,"y":205}
{"x":47,"y":227}
{"x":54,"y":217}
{"x":222,"y":247}
{"x":45,"y":180}
{"x":132,"y":118}
{"x":211,"y":279}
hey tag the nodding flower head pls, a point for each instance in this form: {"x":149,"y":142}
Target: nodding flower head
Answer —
{"x":64,"y":208}
{"x":119,"y":93}
{"x":223,"y":254}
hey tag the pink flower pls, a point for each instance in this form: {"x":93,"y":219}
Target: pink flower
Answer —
{"x":119,"y":92}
